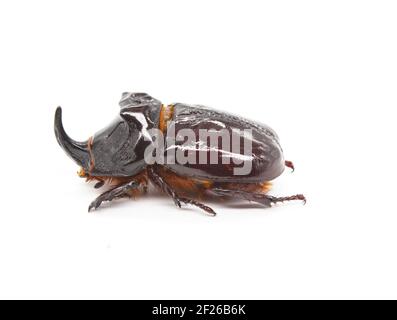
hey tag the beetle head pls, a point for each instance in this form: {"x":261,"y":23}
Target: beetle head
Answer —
{"x":118,"y":149}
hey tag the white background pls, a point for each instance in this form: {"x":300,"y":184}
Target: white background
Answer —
{"x":323,"y":74}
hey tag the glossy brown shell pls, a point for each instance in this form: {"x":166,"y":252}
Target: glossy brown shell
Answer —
{"x":266,"y":158}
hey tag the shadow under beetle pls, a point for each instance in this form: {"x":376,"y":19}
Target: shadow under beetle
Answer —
{"x":116,"y":155}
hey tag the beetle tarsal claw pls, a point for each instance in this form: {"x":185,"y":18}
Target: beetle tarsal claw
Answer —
{"x":92,"y":206}
{"x":289,"y":164}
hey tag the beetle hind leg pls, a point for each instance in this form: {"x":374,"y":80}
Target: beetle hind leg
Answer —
{"x":257,"y":197}
{"x":160,"y":182}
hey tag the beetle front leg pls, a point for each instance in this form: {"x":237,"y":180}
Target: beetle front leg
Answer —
{"x":257,"y":197}
{"x":158,"y":180}
{"x":117,"y":192}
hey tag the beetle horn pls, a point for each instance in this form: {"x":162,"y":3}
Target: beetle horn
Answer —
{"x":78,"y":151}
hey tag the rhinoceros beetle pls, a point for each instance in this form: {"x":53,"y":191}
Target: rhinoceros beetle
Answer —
{"x":127,"y":154}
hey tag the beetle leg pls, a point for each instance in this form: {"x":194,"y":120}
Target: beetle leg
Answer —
{"x":261,"y":198}
{"x":158,"y":180}
{"x":289,"y":198}
{"x":117,"y":192}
